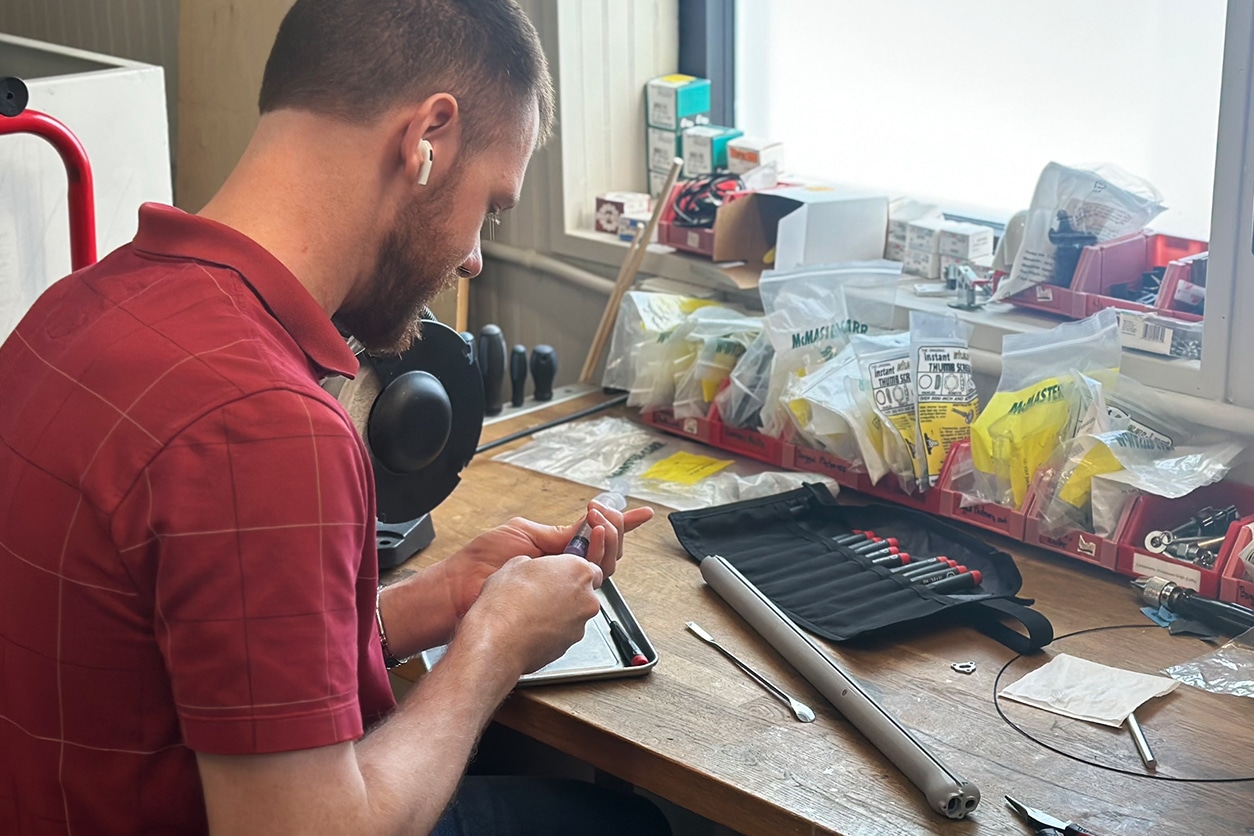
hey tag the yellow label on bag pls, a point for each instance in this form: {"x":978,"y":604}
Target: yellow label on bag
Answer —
{"x":685,"y":468}
{"x":892,"y":390}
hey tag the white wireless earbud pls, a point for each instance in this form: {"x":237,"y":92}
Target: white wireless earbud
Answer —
{"x":428,"y":157}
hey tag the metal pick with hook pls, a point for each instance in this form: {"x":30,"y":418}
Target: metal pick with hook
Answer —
{"x":799,"y":709}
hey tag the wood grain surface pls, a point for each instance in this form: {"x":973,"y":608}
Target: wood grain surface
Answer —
{"x":703,"y":735}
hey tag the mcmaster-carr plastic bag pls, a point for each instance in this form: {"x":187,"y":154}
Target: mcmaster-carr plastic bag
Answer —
{"x":741,"y":400}
{"x":810,"y":313}
{"x":663,"y":363}
{"x":1104,"y":200}
{"x":717,"y":354}
{"x":824,"y":409}
{"x":657,"y":468}
{"x":642,"y":318}
{"x":946,"y":401}
{"x":884,"y":362}
{"x":1035,"y":406}
{"x":1129,"y":458}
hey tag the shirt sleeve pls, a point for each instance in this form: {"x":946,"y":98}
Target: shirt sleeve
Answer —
{"x":259,"y":513}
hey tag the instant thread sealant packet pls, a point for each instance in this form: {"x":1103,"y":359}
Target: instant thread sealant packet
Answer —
{"x":946,"y":401}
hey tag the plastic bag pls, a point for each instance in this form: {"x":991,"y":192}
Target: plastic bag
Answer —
{"x":946,"y":401}
{"x":1127,"y":458}
{"x":824,"y":409}
{"x":663,"y":363}
{"x":884,"y":362}
{"x":805,"y":330}
{"x":810,"y":313}
{"x":1103,"y":201}
{"x":1228,"y":670}
{"x":741,"y":400}
{"x":658,"y":468}
{"x":642,"y":318}
{"x":717,"y":354}
{"x":1035,"y":407}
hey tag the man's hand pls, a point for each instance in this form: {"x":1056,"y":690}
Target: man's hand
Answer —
{"x":423,"y":611}
{"x":471,"y":566}
{"x":531,"y":610}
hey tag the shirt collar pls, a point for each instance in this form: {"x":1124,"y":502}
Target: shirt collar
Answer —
{"x":166,"y":231}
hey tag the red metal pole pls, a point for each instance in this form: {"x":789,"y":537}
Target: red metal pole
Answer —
{"x":78,"y":171}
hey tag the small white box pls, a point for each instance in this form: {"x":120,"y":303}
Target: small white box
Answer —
{"x":745,"y":153}
{"x":924,"y":235}
{"x":966,"y":240}
{"x":705,"y":149}
{"x":629,"y":222}
{"x":664,"y":147}
{"x":672,"y":99}
{"x":613,"y":205}
{"x":657,"y":182}
{"x":895,"y":251}
{"x":902,"y":212}
{"x":922,"y":263}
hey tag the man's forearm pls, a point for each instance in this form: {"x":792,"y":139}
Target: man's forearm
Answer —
{"x":411,"y":763}
{"x":418,"y":612}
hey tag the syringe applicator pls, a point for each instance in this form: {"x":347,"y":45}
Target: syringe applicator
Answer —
{"x":615,"y":498}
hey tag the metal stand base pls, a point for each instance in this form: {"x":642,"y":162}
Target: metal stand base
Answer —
{"x":398,"y":542}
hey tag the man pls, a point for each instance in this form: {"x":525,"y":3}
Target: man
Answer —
{"x":188,"y":629}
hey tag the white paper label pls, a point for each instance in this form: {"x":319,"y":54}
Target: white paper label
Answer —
{"x":1136,"y":332}
{"x":1148,"y":566}
{"x":694,"y":240}
{"x":1044,"y":293}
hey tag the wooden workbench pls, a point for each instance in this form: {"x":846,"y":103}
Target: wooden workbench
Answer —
{"x":699,"y":733}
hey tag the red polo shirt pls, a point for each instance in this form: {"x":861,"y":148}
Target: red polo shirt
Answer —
{"x":187,"y":554}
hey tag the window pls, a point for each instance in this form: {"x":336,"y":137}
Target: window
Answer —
{"x":964,"y":102}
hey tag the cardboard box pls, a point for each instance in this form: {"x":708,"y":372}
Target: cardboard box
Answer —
{"x":705,"y":149}
{"x":804,"y":224}
{"x":922,"y":263}
{"x":670,"y":99}
{"x":657,"y":182}
{"x":924,"y":235}
{"x":902,"y":212}
{"x":630,"y":222}
{"x":985,"y":263}
{"x":745,"y":153}
{"x":966,"y":240}
{"x":613,"y":205}
{"x":663,"y":147}
{"x":895,"y":250}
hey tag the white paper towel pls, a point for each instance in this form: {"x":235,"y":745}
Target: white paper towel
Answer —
{"x":1085,"y":690}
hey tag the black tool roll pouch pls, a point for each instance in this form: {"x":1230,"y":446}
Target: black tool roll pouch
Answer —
{"x":784,"y":544}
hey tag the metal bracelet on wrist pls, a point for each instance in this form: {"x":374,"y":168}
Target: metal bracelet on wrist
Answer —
{"x":389,"y":659}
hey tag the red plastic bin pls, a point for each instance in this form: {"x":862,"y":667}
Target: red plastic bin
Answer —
{"x":1148,"y":513}
{"x":986,"y":515}
{"x":1234,"y":586}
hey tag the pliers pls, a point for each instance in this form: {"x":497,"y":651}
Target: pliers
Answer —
{"x":1045,"y":824}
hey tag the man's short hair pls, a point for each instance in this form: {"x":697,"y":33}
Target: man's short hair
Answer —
{"x":356,"y":59}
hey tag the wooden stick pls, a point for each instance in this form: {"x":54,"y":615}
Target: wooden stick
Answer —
{"x":627,"y":275}
{"x":462,"y":318}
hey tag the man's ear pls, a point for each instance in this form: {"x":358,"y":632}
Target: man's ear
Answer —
{"x":432,"y":133}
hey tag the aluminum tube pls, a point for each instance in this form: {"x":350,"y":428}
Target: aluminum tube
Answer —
{"x":547,"y":264}
{"x":946,"y":792}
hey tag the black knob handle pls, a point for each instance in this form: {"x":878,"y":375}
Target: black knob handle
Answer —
{"x":470,"y":341}
{"x":491,"y":356}
{"x":543,"y":370}
{"x":13,"y":96}
{"x":518,"y":375}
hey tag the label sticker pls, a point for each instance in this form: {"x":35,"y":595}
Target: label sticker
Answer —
{"x":1044,"y":294}
{"x":685,"y":468}
{"x":1143,"y":564}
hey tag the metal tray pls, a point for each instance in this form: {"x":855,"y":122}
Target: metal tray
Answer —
{"x":592,"y":657}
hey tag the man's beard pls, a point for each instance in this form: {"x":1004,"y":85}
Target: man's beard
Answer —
{"x":410,"y":270}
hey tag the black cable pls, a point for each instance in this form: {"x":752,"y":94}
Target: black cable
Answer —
{"x":583,"y":413}
{"x":697,"y":201}
{"x":1056,"y":750}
